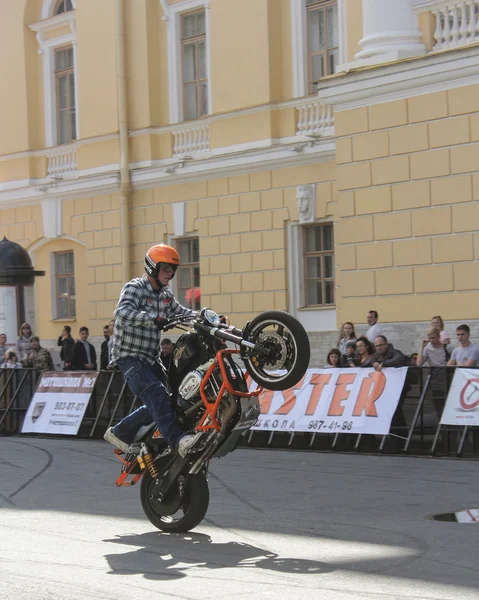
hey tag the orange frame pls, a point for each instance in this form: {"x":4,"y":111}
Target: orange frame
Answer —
{"x":225,"y":387}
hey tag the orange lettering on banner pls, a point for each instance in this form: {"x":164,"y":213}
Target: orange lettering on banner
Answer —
{"x":290,"y":398}
{"x":318,"y":382}
{"x":340,"y":394}
{"x":265,"y":399}
{"x":367,"y":396}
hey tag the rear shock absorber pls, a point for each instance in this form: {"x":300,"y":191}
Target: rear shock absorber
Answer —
{"x":149,"y":461}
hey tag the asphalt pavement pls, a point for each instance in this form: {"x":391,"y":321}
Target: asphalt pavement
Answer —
{"x":292,"y":525}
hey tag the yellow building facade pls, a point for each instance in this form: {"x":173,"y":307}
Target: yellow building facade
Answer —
{"x":203,"y":124}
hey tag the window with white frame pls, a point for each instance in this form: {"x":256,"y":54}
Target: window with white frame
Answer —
{"x":323,"y":40}
{"x":63,"y":6}
{"x":59,"y":71}
{"x":65,"y":298}
{"x":189,"y":59}
{"x":65,"y":95}
{"x":319,"y":42}
{"x":188,"y":274}
{"x":195,"y":81}
{"x":318,"y":265}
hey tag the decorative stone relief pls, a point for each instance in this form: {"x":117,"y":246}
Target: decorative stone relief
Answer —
{"x":306,"y":196}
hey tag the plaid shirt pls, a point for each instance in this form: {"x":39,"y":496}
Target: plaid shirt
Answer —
{"x":136,"y":334}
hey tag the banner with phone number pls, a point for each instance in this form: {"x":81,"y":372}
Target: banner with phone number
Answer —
{"x":59,"y":402}
{"x":352,"y":400}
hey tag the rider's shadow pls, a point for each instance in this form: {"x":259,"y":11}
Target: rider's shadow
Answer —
{"x":170,"y":556}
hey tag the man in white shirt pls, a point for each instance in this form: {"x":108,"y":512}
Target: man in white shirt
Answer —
{"x":467,"y":354}
{"x":374,"y":327}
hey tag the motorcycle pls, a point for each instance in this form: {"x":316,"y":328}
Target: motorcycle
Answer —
{"x":209,"y":393}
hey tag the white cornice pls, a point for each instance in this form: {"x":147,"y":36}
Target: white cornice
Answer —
{"x":428,"y":5}
{"x":273,"y":157}
{"x":265,"y":154}
{"x":62,"y":20}
{"x":410,"y":77}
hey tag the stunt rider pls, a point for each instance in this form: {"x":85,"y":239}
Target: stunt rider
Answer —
{"x":145,"y":302}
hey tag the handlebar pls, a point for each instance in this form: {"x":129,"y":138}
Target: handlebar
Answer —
{"x":233,"y":334}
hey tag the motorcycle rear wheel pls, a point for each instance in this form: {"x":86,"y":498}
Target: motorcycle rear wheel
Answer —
{"x":187,"y":506}
{"x":289,"y":351}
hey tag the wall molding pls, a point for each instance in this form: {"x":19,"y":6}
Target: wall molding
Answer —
{"x":105,"y":179}
{"x":439,"y":71}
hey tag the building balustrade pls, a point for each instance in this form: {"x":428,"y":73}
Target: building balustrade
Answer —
{"x":457,"y":23}
{"x":62,"y":161}
{"x":315,"y":119}
{"x":191,"y":140}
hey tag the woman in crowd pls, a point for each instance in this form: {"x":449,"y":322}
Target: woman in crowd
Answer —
{"x":3,"y":346}
{"x":347,"y":334}
{"x":437,"y":322}
{"x":334,"y":359}
{"x":365,"y":351}
{"x":24,"y":341}
{"x":11,"y":361}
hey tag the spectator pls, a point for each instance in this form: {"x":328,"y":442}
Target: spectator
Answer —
{"x":437,"y":354}
{"x":365,"y":352}
{"x":334,"y":359}
{"x":166,"y":352}
{"x":11,"y":361}
{"x":38,"y":357}
{"x":346,"y":334}
{"x":445,"y":338}
{"x":67,"y":343}
{"x":386,"y":355}
{"x":349,"y":358}
{"x":374,"y":327}
{"x":104,"y":348}
{"x":24,"y":341}
{"x":111,"y":330}
{"x":3,"y":346}
{"x":467,"y":354}
{"x":84,"y":355}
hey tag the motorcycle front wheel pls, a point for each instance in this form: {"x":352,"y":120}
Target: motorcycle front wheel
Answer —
{"x":183,"y":508}
{"x":286,"y":350}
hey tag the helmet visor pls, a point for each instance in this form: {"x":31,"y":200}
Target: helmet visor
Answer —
{"x":168,"y":267}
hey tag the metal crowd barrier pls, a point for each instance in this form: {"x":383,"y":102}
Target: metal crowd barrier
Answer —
{"x":415,"y":427}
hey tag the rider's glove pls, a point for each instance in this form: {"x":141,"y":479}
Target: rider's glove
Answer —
{"x":160,"y":322}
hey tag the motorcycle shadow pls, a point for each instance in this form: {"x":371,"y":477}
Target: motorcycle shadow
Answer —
{"x":171,"y":556}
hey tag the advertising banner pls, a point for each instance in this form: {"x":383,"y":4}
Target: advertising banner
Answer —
{"x":335,"y":401}
{"x":462,"y":404}
{"x":59,"y":402}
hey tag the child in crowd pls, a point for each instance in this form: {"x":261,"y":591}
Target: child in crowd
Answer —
{"x":349,"y":358}
{"x":11,"y":361}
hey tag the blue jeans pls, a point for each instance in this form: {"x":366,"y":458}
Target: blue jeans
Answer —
{"x":145,"y":381}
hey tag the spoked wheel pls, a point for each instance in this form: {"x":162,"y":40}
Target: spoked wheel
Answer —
{"x":287,"y":350}
{"x":183,"y":508}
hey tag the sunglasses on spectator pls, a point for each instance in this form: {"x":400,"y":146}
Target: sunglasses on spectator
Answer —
{"x":168,"y":268}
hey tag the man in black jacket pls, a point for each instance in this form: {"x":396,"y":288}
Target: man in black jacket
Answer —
{"x":386,"y":355}
{"x":84,"y":355}
{"x":67,"y":343}
{"x":104,"y":349}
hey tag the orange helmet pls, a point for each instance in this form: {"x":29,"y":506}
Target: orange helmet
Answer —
{"x":161,"y":253}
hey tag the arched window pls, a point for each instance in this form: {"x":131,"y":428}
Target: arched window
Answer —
{"x":63,"y":6}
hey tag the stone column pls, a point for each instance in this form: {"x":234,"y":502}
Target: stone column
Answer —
{"x":390,"y":32}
